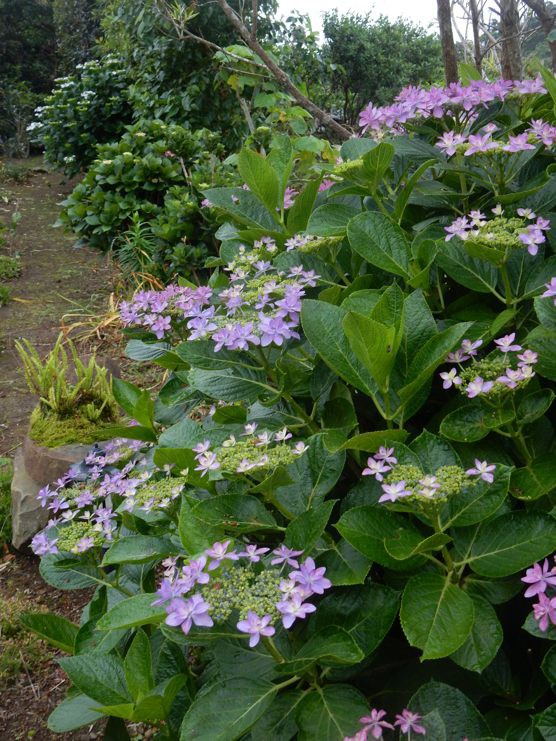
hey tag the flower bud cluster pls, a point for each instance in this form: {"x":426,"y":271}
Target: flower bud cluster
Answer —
{"x":260,"y":306}
{"x":501,"y":232}
{"x":461,"y":102}
{"x":508,"y":368}
{"x":251,"y":585}
{"x":542,"y":585}
{"x":409,"y":482}
{"x":253,"y":451}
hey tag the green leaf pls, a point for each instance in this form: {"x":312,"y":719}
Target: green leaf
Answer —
{"x":72,"y":713}
{"x":376,"y":163}
{"x":548,"y":665}
{"x":65,"y":573}
{"x":306,"y":529}
{"x":365,"y":528}
{"x":461,"y":718}
{"x":139,"y":549}
{"x":419,"y":326}
{"x":225,"y":385}
{"x":534,"y":405}
{"x":138,"y":666}
{"x":536,"y":480}
{"x":330,"y":713}
{"x":55,"y":629}
{"x":100,"y":676}
{"x":380,"y":242}
{"x":201,"y":354}
{"x":247,"y":210}
{"x":259,"y":176}
{"x":476,"y":503}
{"x":430,"y":356}
{"x":483,"y":642}
{"x":278,"y":722}
{"x":126,"y":394}
{"x":224,"y":711}
{"x":373,"y":343}
{"x":366,"y":613}
{"x":240,"y":513}
{"x":433,"y":452}
{"x":408,"y":543}
{"x":300,"y":212}
{"x":131,"y":612}
{"x":507,"y":544}
{"x":330,"y":220}
{"x":471,"y":422}
{"x":436,"y":615}
{"x":312,"y":475}
{"x":475,"y":274}
{"x":345,"y":565}
{"x":323,"y":327}
{"x":543,"y":341}
{"x":331,"y":646}
{"x":369,"y":442}
{"x":545,"y":722}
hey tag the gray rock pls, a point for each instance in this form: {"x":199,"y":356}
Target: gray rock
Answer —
{"x":28,"y":517}
{"x":45,"y":465}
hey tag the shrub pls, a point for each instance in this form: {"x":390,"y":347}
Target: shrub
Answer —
{"x":85,"y":109}
{"x":333,"y":500}
{"x":151,"y":177}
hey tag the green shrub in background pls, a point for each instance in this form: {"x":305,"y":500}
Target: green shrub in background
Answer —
{"x":150,"y":180}
{"x":84,"y":109}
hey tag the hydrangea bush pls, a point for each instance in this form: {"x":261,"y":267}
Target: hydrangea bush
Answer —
{"x":322,"y":525}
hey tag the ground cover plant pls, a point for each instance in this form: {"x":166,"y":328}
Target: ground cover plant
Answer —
{"x":336,"y":518}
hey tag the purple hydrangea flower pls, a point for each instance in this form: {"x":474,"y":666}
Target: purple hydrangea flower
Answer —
{"x":186,"y":613}
{"x":283,"y":554}
{"x":409,"y":722}
{"x":539,"y":577}
{"x":311,"y":577}
{"x":294,"y":608}
{"x":545,"y":611}
{"x":483,"y":470}
{"x":256,"y":627}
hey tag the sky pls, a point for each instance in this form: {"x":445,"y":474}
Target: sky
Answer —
{"x":420,"y":11}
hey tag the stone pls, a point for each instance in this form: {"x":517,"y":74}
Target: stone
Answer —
{"x":45,"y":465}
{"x":28,"y":517}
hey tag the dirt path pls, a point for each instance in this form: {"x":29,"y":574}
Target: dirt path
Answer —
{"x":56,"y":279}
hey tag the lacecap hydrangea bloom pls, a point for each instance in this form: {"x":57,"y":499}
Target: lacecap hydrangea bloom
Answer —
{"x":375,"y":724}
{"x":410,"y":483}
{"x":255,"y":588}
{"x":501,"y":233}
{"x":509,"y":367}
{"x":259,"y":307}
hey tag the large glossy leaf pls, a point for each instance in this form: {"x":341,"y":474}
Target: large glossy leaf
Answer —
{"x":380,"y":242}
{"x":225,"y":385}
{"x":74,"y":712}
{"x":306,"y":529}
{"x":373,"y":343}
{"x":345,"y":565}
{"x":278,"y":722}
{"x":476,"y":503}
{"x":330,"y":220}
{"x":259,"y":175}
{"x":482,"y":644}
{"x":461,"y":718}
{"x":139,"y":549}
{"x":323,"y":327}
{"x":55,"y":629}
{"x":224,"y":711}
{"x":138,"y":666}
{"x":436,"y":615}
{"x":366,"y":613}
{"x":507,"y":544}
{"x":331,"y":646}
{"x":100,"y":676}
{"x":470,"y":272}
{"x":330,"y":713}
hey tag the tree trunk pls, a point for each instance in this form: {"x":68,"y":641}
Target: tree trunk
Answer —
{"x":475,"y":25}
{"x":449,"y":57}
{"x":510,"y":56}
{"x":548,"y":21}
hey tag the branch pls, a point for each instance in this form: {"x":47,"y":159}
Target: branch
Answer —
{"x":281,"y":77}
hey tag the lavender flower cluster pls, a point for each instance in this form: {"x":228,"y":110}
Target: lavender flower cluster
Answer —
{"x":223,"y":582}
{"x":538,"y":133}
{"x":260,"y":306}
{"x":255,"y":452}
{"x":456,"y":100}
{"x":542,"y":584}
{"x":501,"y":232}
{"x":400,"y":480}
{"x":85,"y":512}
{"x":494,"y":374}
{"x":374,"y":724}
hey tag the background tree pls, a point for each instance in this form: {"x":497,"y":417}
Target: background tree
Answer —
{"x":373,"y":58}
{"x":76,"y":26}
{"x":444,"y":15}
